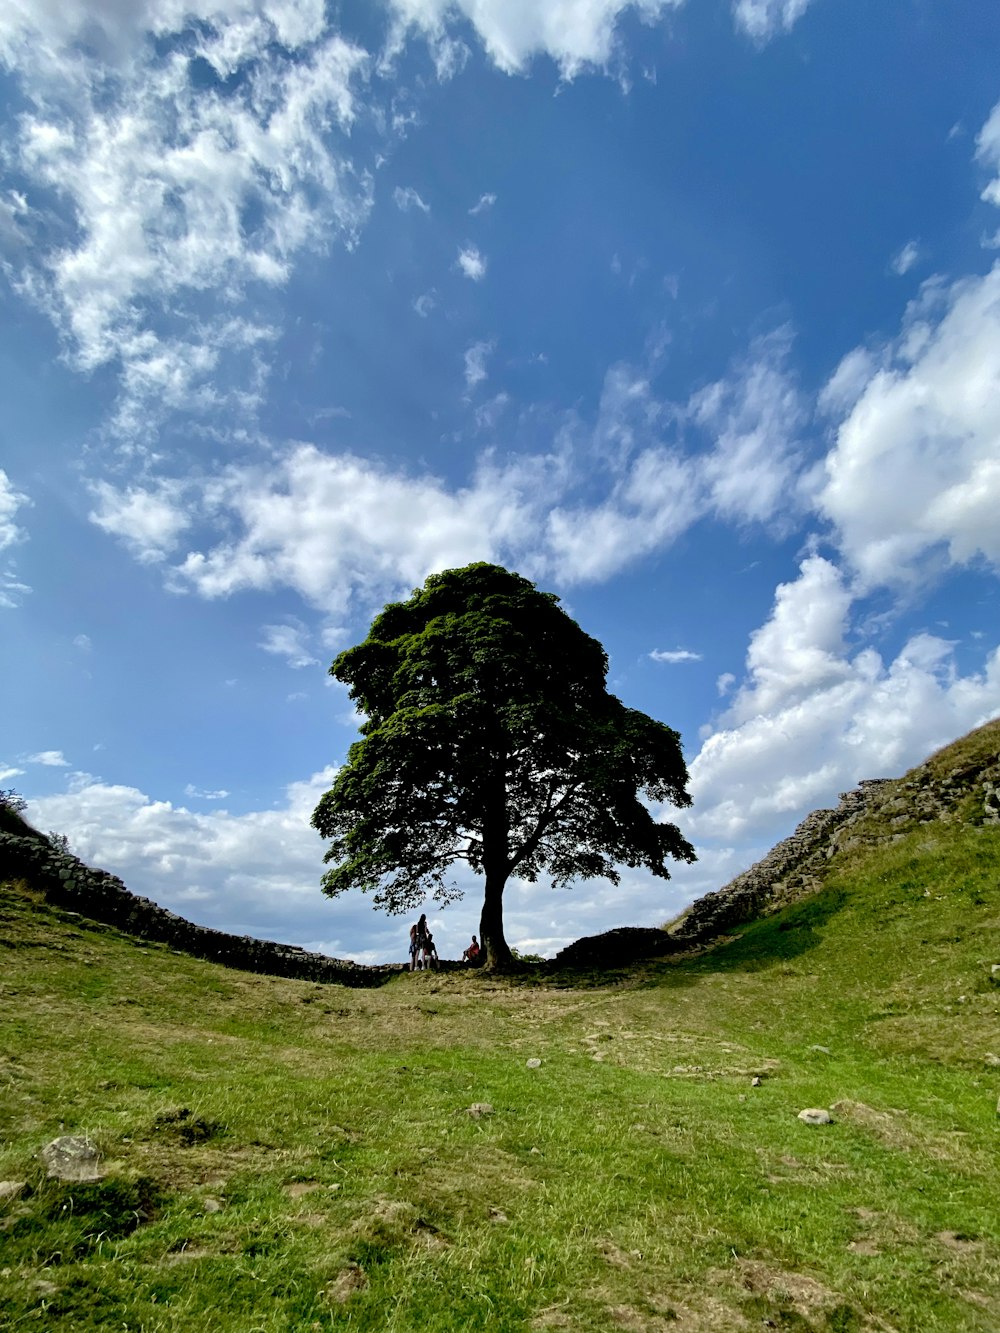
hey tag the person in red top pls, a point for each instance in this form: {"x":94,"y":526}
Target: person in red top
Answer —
{"x":472,"y":952}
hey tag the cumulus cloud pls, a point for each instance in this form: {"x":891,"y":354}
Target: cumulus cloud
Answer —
{"x":574,"y":34}
{"x":289,"y":641}
{"x":813,"y":717}
{"x":763,"y":19}
{"x":674,"y":655}
{"x":334,"y":526}
{"x":912,"y":481}
{"x":149,"y":520}
{"x":472,"y":263}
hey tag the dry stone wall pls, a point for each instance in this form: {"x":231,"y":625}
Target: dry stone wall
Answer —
{"x":877,"y":811}
{"x":68,"y":883}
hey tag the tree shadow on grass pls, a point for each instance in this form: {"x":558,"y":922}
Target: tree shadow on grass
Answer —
{"x":771,"y":940}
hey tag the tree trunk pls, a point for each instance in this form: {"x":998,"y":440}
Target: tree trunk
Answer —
{"x":491,"y":936}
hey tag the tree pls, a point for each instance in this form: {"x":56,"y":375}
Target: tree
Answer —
{"x":490,"y":737}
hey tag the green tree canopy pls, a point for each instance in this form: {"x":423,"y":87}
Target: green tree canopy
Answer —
{"x":490,"y":737}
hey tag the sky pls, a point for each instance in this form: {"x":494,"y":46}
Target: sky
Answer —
{"x":688,"y":310}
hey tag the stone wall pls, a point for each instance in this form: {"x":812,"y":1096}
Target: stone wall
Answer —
{"x":68,"y":883}
{"x":877,"y":811}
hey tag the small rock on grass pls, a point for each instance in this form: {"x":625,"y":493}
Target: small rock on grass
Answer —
{"x":815,"y":1115}
{"x":10,"y":1189}
{"x":534,"y":1064}
{"x":478,"y":1109}
{"x":72,"y":1157}
{"x":991,"y":1061}
{"x":820,"y":1050}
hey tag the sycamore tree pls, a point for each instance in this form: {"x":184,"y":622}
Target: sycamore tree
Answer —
{"x":490,"y":738}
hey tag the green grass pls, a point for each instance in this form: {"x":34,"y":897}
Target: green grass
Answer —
{"x":286,"y":1156}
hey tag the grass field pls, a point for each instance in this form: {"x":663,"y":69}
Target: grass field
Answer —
{"x":286,"y":1156}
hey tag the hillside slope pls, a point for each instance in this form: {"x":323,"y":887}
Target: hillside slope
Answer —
{"x":958,"y":784}
{"x":280,"y":1155}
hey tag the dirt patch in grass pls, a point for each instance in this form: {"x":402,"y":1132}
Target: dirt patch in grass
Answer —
{"x":348,"y":1282}
{"x":893,"y":1129}
{"x":779,"y":1297}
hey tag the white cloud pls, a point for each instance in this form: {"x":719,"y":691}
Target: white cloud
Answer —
{"x":172,"y":189}
{"x":49,"y":758}
{"x":289,"y":641}
{"x":408,"y":198}
{"x":256,"y":873}
{"x":988,"y":152}
{"x":83,"y":642}
{"x":10,"y":502}
{"x":475,"y":363}
{"x":192,"y":790}
{"x":906,"y":258}
{"x":149,"y":521}
{"x":763,"y":19}
{"x":655,"y":501}
{"x":6,"y":773}
{"x":672,"y":655}
{"x":472,"y":263}
{"x":574,"y":33}
{"x":335,"y":526}
{"x":753,"y":415}
{"x":813,"y":718}
{"x":485,"y":202}
{"x":425,"y":303}
{"x":913,"y":478}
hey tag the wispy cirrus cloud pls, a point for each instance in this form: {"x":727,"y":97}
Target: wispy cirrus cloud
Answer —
{"x":407,"y":198}
{"x":763,"y":19}
{"x":12,"y":590}
{"x":11,"y":500}
{"x":194,"y":166}
{"x":576,"y":36}
{"x":907,"y":257}
{"x":475,"y":363}
{"x":290,"y":641}
{"x":49,"y":759}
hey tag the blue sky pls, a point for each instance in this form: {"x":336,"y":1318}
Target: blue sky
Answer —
{"x":687,"y":309}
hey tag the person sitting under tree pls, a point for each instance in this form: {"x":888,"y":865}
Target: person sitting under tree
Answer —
{"x":430,"y":953}
{"x":472,"y":952}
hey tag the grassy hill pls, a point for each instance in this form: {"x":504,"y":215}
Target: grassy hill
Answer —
{"x":280,"y":1155}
